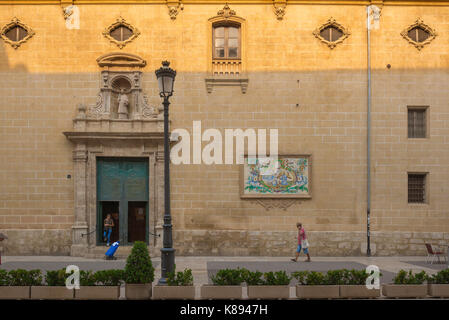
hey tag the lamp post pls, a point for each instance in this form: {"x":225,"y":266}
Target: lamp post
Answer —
{"x":166,"y":77}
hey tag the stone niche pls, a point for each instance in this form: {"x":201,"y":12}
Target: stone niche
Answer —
{"x":120,"y":124}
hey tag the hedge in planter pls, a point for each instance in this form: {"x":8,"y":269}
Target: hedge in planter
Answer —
{"x":274,"y":285}
{"x":139,"y":272}
{"x":316,"y":285}
{"x":407,"y":285}
{"x":55,"y":288}
{"x":16,"y":284}
{"x":439,"y":284}
{"x":180,"y":286}
{"x":227,"y":284}
{"x":354,"y":285}
{"x":101,"y":285}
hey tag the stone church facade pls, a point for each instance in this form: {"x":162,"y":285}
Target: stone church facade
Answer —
{"x":81,"y":125}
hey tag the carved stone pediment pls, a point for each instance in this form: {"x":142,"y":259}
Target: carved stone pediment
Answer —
{"x":121,"y":59}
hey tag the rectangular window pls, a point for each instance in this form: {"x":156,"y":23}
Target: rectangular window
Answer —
{"x":417,"y":122}
{"x":226,"y":42}
{"x":417,"y":188}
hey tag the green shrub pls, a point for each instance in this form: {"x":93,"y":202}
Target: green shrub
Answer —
{"x":21,"y":277}
{"x":182,"y":278}
{"x":56,"y":278}
{"x":354,"y":277}
{"x":112,"y":277}
{"x":5,"y":279}
{"x":252,"y":278}
{"x":228,"y":277}
{"x":87,"y":278}
{"x":139,"y":268}
{"x":279,"y":278}
{"x":409,"y":278}
{"x":441,"y":277}
{"x":314,"y":278}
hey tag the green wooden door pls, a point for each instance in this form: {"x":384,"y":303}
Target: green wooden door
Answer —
{"x":122,"y":191}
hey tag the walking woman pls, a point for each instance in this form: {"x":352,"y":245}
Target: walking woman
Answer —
{"x":303,"y":243}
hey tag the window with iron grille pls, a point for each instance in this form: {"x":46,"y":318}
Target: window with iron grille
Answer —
{"x":417,"y":127}
{"x":417,"y":188}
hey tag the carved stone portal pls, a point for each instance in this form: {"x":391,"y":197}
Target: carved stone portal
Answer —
{"x":120,"y":124}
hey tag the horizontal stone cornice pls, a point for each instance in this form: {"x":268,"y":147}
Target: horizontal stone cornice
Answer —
{"x":84,"y":136}
{"x":267,"y":2}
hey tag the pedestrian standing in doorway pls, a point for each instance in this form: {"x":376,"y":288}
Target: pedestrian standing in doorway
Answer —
{"x":108,"y":225}
{"x":303,"y":243}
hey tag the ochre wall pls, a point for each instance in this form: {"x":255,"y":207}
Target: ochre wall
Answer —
{"x":43,"y":80}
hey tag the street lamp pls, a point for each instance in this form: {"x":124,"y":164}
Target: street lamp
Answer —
{"x":166,"y":77}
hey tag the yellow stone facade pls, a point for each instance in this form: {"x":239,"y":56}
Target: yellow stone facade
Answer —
{"x":314,"y":95}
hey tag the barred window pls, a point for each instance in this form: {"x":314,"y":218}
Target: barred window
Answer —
{"x":417,"y":127}
{"x":416,"y":188}
{"x":16,"y":33}
{"x":418,"y":34}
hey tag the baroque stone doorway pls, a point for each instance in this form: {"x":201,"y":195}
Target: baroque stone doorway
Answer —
{"x":99,"y":133}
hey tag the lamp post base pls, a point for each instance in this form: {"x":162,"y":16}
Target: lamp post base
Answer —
{"x":167,"y":264}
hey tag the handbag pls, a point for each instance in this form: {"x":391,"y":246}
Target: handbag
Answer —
{"x":305,"y":243}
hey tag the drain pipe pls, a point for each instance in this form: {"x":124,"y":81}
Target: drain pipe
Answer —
{"x":374,"y":12}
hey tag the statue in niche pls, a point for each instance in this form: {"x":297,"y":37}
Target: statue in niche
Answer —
{"x":123,"y":103}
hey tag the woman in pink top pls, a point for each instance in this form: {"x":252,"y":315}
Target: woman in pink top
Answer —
{"x":301,"y":237}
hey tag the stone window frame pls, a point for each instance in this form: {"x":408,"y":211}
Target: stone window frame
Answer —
{"x":419,"y":23}
{"x":425,"y":109}
{"x":120,"y":21}
{"x":16,"y":22}
{"x":426,"y":193}
{"x":331,"y":22}
{"x":227,"y":16}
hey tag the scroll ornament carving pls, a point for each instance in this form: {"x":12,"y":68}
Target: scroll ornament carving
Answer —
{"x":226,"y":12}
{"x":283,"y":204}
{"x":279,"y":9}
{"x":174,"y":8}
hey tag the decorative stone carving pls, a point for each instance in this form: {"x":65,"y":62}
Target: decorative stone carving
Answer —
{"x":121,"y":96}
{"x":121,"y":59}
{"x":419,"y":23}
{"x":283,"y":204}
{"x":16,"y":22}
{"x":71,"y":14}
{"x":120,"y":21}
{"x":374,"y":16}
{"x":332,"y":23}
{"x":173,"y":8}
{"x":226,"y":12}
{"x":279,"y":8}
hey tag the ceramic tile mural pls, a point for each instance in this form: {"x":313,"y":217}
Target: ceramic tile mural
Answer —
{"x":287,"y":176}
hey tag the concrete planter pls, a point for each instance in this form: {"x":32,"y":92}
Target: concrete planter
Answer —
{"x":14,"y":292}
{"x":174,"y":292}
{"x":268,"y":292}
{"x":51,"y":293}
{"x":439,"y":290}
{"x":318,"y":292}
{"x":404,"y":290}
{"x":221,"y":292}
{"x":98,"y":293}
{"x":358,"y":291}
{"x":138,"y":291}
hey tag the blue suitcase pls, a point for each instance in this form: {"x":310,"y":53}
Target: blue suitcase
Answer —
{"x":111,"y":251}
